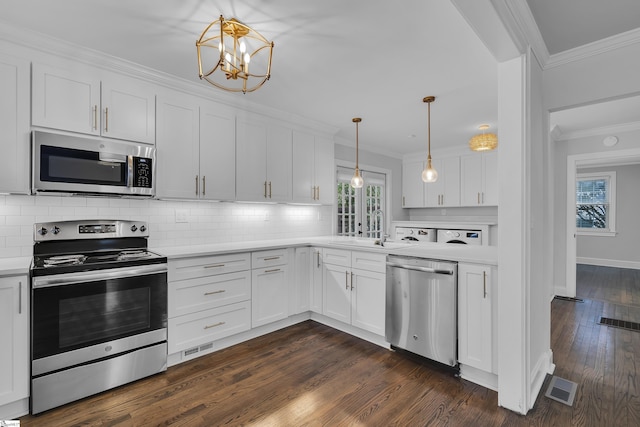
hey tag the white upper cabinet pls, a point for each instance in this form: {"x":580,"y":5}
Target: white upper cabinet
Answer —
{"x":412,"y":185}
{"x":479,"y":175}
{"x":263,"y":161}
{"x":93,"y":102}
{"x":313,"y":168}
{"x":14,"y":125}
{"x":445,"y":192}
{"x":178,"y":174}
{"x":217,"y":152}
{"x":196,"y":148}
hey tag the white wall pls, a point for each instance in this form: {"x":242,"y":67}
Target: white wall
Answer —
{"x":208,"y":222}
{"x":620,"y":250}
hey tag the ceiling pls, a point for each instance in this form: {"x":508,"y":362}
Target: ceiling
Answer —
{"x":334,"y":60}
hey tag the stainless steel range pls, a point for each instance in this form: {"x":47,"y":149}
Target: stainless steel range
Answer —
{"x":98,"y":309}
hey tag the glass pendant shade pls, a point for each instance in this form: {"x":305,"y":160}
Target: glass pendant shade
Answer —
{"x":483,"y":141}
{"x":429,"y":174}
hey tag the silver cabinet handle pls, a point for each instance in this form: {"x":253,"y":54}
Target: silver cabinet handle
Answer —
{"x":19,"y":297}
{"x":352,"y":280}
{"x":215,"y":292}
{"x":346,"y":280}
{"x":318,"y":192}
{"x":213,"y":266}
{"x":272,"y":271}
{"x":265,"y":189}
{"x":403,"y":203}
{"x":95,"y":117}
{"x":214,"y":325}
{"x":318,"y":256}
{"x":204,"y":185}
{"x":106,"y":119}
{"x":484,"y":283}
{"x":417,"y":268}
{"x":478,"y":198}
{"x":271,"y":258}
{"x":196,"y":185}
{"x":269,"y":189}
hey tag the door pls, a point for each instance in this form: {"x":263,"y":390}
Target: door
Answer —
{"x":14,"y":335}
{"x":368,"y":300}
{"x":301,"y":285}
{"x":324,"y":171}
{"x":279,"y":164}
{"x":269,"y":295}
{"x":303,"y":167}
{"x":251,"y":164}
{"x":412,"y":185}
{"x":316,"y":280}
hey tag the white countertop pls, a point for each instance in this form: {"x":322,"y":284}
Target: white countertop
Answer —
{"x":14,"y":266}
{"x":451,"y":252}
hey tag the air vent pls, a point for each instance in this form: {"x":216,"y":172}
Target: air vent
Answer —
{"x":561,"y":390}
{"x":207,"y":346}
{"x":622,"y":324}
{"x":191,"y":351}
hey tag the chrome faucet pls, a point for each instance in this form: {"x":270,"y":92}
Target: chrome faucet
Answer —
{"x":383,"y":236}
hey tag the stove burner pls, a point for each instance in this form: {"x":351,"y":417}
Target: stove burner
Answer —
{"x":55,"y":261}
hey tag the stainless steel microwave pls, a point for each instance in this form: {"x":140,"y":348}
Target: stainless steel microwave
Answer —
{"x":72,"y":164}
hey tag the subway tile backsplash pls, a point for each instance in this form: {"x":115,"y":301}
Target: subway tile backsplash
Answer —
{"x":171,"y":223}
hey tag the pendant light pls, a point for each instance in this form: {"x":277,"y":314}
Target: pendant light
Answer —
{"x":483,"y":141}
{"x":429,"y":174}
{"x":356,"y":180}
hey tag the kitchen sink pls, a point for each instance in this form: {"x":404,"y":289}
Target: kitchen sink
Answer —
{"x":370,"y":243}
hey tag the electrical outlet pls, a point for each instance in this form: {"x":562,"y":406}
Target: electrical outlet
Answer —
{"x":181,"y":215}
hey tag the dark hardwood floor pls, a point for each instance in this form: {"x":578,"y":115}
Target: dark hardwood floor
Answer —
{"x":312,"y":375}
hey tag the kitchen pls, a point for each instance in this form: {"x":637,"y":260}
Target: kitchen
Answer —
{"x":238,"y":222}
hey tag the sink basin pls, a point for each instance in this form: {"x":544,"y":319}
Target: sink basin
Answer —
{"x":370,"y":243}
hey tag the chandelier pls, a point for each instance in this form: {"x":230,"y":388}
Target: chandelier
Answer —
{"x":483,"y":141}
{"x":237,"y":46}
{"x":429,"y":174}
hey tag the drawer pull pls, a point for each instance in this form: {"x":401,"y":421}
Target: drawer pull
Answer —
{"x":271,"y":258}
{"x":215,"y":292}
{"x":272,"y":271}
{"x":214,"y":266}
{"x":214,"y":325}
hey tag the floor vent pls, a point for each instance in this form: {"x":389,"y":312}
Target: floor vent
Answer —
{"x":622,"y":324}
{"x":568,"y":298}
{"x":562,"y":390}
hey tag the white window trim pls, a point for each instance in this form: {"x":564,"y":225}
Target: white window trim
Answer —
{"x":611,"y":230}
{"x":388,"y":191}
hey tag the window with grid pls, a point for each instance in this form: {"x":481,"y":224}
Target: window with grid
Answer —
{"x":357,"y":207}
{"x":595,"y":202}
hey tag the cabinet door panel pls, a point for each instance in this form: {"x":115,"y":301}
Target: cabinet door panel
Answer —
{"x":251,"y":164}
{"x":269,"y":295}
{"x":66,"y":100}
{"x":279,"y":164}
{"x":303,"y":167}
{"x":471,"y":185}
{"x":129,"y":110}
{"x":177,"y":169}
{"x":412,"y":185}
{"x":316,"y":280}
{"x":217,"y":153}
{"x":337,"y":293}
{"x":302,"y":281}
{"x":490,"y":165}
{"x":325,"y":171}
{"x":451,"y":183}
{"x":14,"y":334}
{"x":14,"y":125}
{"x":368,"y":301}
{"x":475,"y":337}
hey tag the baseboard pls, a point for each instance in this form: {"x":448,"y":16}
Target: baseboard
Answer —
{"x":480,"y":377}
{"x":635,"y":265}
{"x":543,"y":367}
{"x":351,"y":330}
{"x":14,"y":410}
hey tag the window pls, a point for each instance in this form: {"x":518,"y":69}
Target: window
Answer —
{"x":595,"y":203}
{"x":356,"y":207}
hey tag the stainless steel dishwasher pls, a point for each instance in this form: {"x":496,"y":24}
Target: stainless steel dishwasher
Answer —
{"x":421,"y":307}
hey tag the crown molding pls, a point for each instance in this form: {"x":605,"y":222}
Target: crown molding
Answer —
{"x":558,"y":135}
{"x":596,"y":48}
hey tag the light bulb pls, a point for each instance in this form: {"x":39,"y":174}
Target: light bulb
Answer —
{"x":356,"y":180}
{"x":247,"y":58}
{"x":429,"y":174}
{"x":243,"y":47}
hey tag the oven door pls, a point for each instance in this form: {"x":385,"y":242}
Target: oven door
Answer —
{"x":84,"y":316}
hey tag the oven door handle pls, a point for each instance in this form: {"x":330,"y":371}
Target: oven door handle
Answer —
{"x":96,"y":275}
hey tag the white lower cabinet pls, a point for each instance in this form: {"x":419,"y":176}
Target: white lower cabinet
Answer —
{"x":209,"y":299}
{"x":14,"y":335}
{"x":354,"y":288}
{"x":269,"y":286}
{"x":476,"y":298}
{"x":300,"y":292}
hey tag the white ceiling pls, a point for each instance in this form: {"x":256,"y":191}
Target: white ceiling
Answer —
{"x":333,"y":60}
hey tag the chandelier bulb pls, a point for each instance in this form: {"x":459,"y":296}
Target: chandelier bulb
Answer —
{"x":356,"y":179}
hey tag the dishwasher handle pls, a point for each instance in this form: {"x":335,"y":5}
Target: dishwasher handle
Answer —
{"x":418,"y":268}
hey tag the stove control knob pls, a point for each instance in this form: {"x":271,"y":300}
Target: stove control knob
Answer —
{"x":55,"y":230}
{"x":42,"y":231}
{"x":143,"y":228}
{"x":134,"y":228}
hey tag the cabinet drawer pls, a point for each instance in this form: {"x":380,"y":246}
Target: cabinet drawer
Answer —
{"x":202,"y":293}
{"x":269,"y":258}
{"x":369,"y":261}
{"x":207,"y":326}
{"x":190,"y":268}
{"x":337,"y":257}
